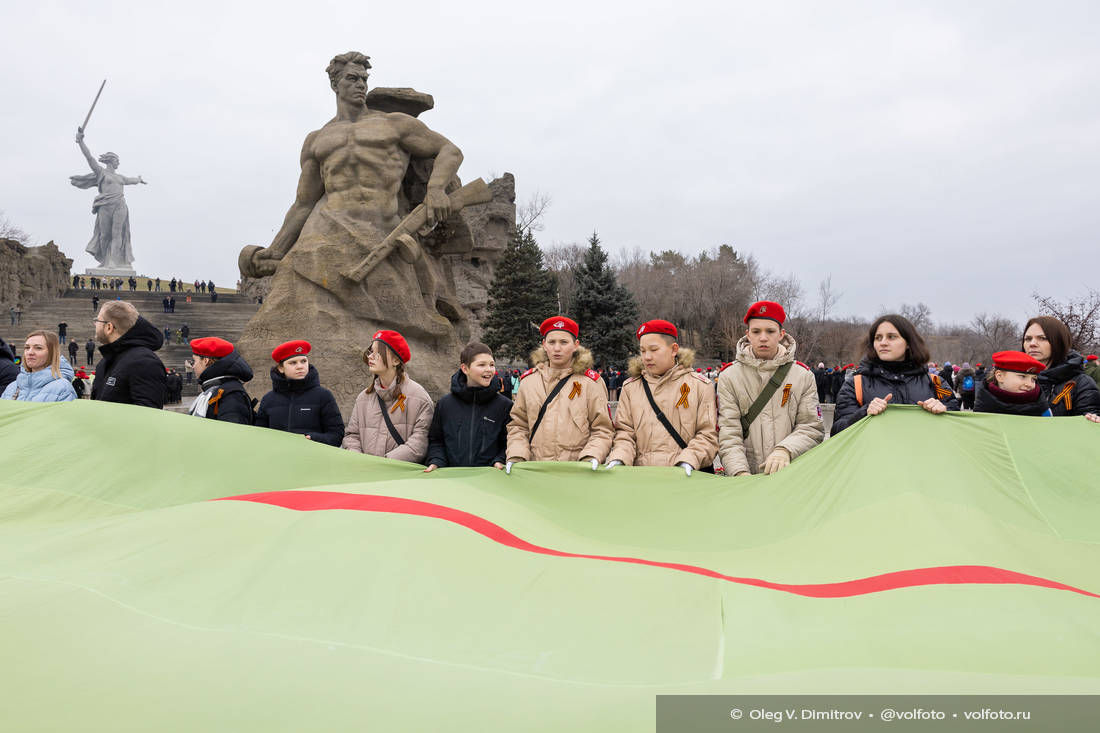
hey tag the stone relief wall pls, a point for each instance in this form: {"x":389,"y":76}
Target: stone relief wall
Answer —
{"x":28,"y":274}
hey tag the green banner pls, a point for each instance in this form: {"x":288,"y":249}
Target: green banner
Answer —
{"x":333,"y":591}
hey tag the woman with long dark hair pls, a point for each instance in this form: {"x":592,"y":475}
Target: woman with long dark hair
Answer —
{"x":1064,"y":384}
{"x":893,"y":371}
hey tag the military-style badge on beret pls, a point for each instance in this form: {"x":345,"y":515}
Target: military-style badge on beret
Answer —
{"x":396,"y":342}
{"x":289,"y":350}
{"x":766,"y":309}
{"x":657,"y":326}
{"x":560,"y":323}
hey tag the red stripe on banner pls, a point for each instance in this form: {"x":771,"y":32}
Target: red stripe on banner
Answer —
{"x":312,"y":501}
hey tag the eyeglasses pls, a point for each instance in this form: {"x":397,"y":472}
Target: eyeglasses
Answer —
{"x":99,"y":320}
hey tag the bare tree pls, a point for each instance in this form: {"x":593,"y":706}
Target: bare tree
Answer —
{"x":920,"y":315}
{"x":529,"y":214}
{"x":840,"y":341}
{"x":810,"y":328}
{"x":10,"y":231}
{"x":561,"y":260}
{"x":1081,"y":316}
{"x":995,"y":333}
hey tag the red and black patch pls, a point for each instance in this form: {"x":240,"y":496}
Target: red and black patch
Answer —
{"x":527,"y":373}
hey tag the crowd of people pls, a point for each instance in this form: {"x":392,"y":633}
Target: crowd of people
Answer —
{"x":758,"y":414}
{"x":175,"y":285}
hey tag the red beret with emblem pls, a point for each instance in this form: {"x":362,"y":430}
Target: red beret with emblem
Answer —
{"x":560,"y":323}
{"x":211,"y":346}
{"x":1017,"y":361}
{"x":657,"y":326}
{"x":766,"y":309}
{"x":396,"y":342}
{"x":289,"y":350}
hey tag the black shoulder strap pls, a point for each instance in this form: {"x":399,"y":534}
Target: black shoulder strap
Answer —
{"x":546,"y":403}
{"x":389,"y":423}
{"x":766,"y":394}
{"x":661,"y":416}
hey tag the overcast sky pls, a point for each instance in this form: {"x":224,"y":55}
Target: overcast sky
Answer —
{"x":944,"y":152}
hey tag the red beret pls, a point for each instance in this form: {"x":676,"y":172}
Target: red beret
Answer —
{"x":766,"y":309}
{"x":1017,"y":361}
{"x":396,"y":342}
{"x":657,"y":326}
{"x":290,"y":349}
{"x":1091,"y":357}
{"x":211,"y":346}
{"x":560,"y":323}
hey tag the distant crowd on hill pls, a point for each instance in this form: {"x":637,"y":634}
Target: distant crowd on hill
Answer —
{"x":175,"y":285}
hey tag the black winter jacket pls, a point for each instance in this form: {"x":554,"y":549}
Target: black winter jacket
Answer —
{"x":129,"y":371}
{"x":909,"y":383}
{"x":229,"y":401}
{"x":986,"y":400}
{"x":468,"y":426}
{"x":301,"y":406}
{"x":8,"y":369}
{"x":1083,"y":395}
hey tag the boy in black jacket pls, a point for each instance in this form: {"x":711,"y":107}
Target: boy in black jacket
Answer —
{"x":298,"y":403}
{"x":221,"y":372}
{"x":468,"y":426}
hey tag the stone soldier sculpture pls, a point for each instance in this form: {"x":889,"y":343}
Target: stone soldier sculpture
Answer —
{"x":346,"y":261}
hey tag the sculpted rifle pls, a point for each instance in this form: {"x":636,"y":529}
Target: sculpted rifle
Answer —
{"x":474,"y":192}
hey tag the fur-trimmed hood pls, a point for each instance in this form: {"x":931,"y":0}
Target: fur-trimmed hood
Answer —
{"x":685,"y":358}
{"x":785,"y":354}
{"x":582,"y":360}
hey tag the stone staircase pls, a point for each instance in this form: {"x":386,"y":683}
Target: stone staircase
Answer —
{"x":226,"y":318}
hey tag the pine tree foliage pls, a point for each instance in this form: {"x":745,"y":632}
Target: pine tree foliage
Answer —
{"x":605,"y":311}
{"x":523,"y":294}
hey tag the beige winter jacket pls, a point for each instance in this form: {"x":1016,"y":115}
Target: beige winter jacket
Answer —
{"x":791,"y":419}
{"x":687,"y":400}
{"x":410,"y":409}
{"x":577,"y":423}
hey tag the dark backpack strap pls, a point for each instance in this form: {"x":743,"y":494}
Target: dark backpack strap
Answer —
{"x":546,"y":403}
{"x":389,"y":423}
{"x":661,"y":416}
{"x":765,"y":395}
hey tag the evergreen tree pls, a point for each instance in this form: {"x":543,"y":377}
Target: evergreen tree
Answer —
{"x":522,"y":295}
{"x":604,"y":310}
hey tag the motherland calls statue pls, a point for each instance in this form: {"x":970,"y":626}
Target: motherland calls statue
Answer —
{"x":354,"y":253}
{"x":110,"y":243}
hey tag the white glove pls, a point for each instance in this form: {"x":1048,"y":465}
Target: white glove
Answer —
{"x":687,"y":467}
{"x":508,"y":467}
{"x":612,"y":464}
{"x":594,"y":461}
{"x":777,"y":460}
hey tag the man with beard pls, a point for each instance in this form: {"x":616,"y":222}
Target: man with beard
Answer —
{"x":129,"y":372}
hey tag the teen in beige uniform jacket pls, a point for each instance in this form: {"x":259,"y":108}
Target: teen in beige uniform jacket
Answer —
{"x":687,"y":399}
{"x":410,"y":409}
{"x":577,"y":423}
{"x":791,"y":419}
